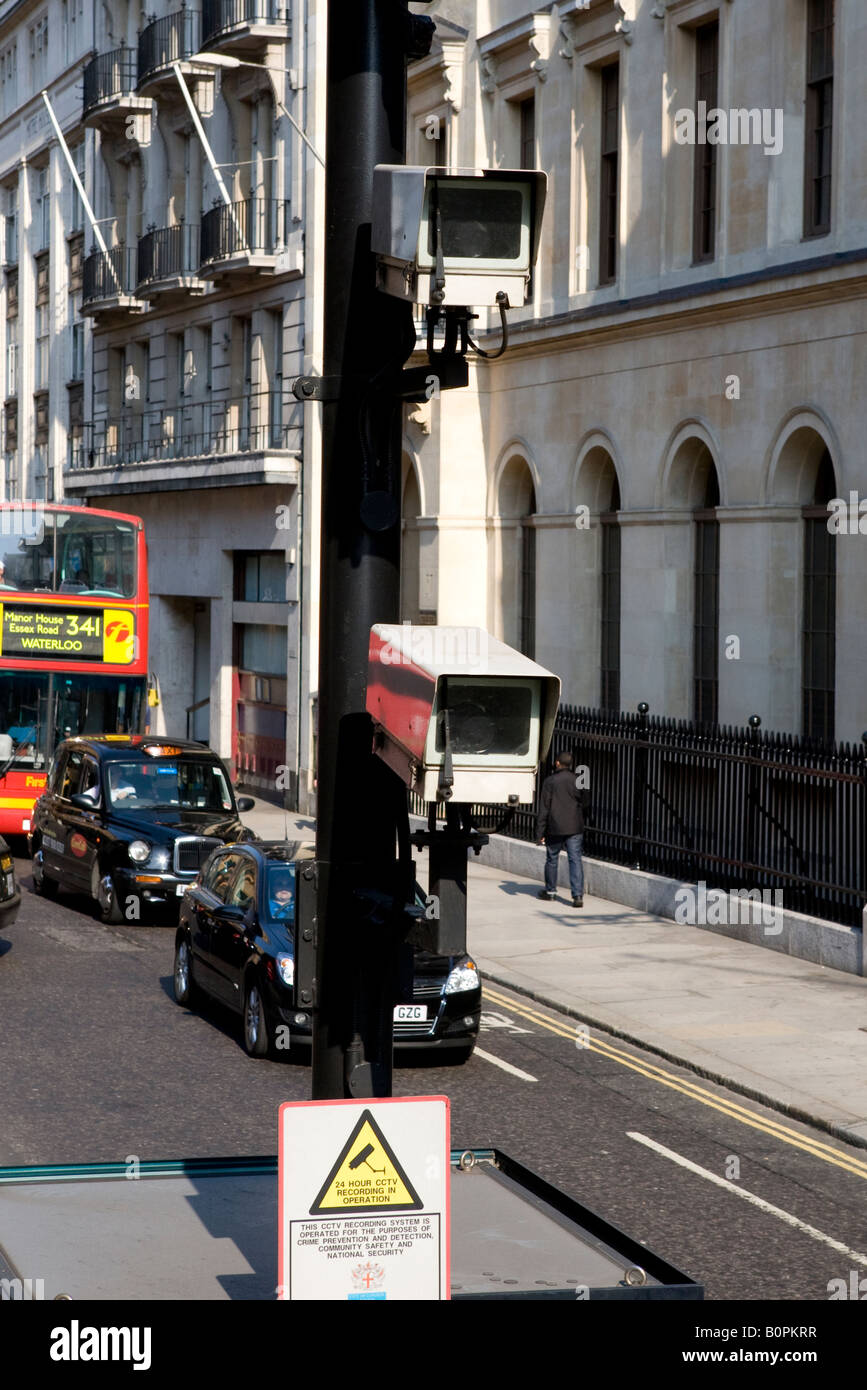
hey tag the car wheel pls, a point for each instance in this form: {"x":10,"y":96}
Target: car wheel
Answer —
{"x":256,"y":1031}
{"x":43,"y":885}
{"x":102,"y":888}
{"x":186,"y":989}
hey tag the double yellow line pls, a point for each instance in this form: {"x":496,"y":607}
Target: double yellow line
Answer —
{"x":783,"y":1133}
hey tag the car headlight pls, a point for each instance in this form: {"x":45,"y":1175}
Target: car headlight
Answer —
{"x":138,"y":851}
{"x":462,"y":977}
{"x":159,"y":859}
{"x":286,"y":968}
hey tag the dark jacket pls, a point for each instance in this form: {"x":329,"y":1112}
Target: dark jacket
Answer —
{"x":561,"y":810}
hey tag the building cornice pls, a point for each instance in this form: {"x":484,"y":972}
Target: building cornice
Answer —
{"x":525,"y":42}
{"x":683,"y":308}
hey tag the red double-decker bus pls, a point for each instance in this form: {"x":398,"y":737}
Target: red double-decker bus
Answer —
{"x":73,"y":639}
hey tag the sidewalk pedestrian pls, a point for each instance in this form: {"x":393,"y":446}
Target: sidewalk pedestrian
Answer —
{"x":560,"y":825}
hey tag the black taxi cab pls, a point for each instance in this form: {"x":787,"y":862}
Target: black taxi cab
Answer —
{"x":10,"y":894}
{"x":130,"y":819}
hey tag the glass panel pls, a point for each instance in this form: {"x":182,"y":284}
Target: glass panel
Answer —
{"x":67,"y":553}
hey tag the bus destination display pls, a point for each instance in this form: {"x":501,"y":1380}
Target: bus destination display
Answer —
{"x":71,"y":634}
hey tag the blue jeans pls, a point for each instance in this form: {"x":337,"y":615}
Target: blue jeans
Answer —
{"x":572,"y":845}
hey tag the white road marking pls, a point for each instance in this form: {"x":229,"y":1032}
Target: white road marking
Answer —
{"x":506,"y":1066}
{"x":748,"y":1197}
{"x":490,"y":1021}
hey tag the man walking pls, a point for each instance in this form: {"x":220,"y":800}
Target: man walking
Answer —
{"x":560,"y":825}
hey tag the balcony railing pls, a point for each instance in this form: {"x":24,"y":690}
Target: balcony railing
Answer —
{"x":111,"y":276}
{"x":166,"y":253}
{"x":194,"y":429}
{"x":221,"y":16}
{"x":109,"y":76}
{"x":168,"y":40}
{"x":256,"y":227}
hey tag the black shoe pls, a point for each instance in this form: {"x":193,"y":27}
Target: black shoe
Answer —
{"x":577,"y":902}
{"x":548,"y":897}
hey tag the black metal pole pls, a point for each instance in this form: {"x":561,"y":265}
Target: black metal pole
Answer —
{"x":367,"y":338}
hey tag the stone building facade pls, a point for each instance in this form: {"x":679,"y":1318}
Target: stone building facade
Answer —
{"x":155,"y":377}
{"x":636,"y":492}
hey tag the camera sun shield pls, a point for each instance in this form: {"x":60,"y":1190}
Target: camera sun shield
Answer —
{"x":458,"y":715}
{"x":456,"y":237}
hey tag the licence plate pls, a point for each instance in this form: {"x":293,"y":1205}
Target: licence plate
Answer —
{"x":410,"y":1013}
{"x":10,"y":885}
{"x":181,"y":888}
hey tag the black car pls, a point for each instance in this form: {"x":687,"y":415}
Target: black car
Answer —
{"x":10,"y":894}
{"x":236,"y":942}
{"x":130,"y":819}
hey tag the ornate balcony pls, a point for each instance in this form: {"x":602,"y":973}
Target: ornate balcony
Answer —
{"x":173,"y":39}
{"x":168,"y":262}
{"x":110,"y":89}
{"x":239,"y":238}
{"x":110,"y":284}
{"x":243,"y":26}
{"x":211,"y":443}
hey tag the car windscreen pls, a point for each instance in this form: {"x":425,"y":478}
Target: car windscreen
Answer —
{"x":149,"y":784}
{"x":280,"y":893}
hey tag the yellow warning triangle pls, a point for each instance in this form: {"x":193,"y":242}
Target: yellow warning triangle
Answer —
{"x":367,"y":1176}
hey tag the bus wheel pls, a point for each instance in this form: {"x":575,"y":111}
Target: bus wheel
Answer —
{"x":103,"y":890}
{"x":43,"y":885}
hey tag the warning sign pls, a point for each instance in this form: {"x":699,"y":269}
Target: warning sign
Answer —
{"x":366,"y":1175}
{"x":364,"y":1199}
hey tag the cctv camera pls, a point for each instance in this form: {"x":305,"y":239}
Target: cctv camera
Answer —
{"x":458,"y":714}
{"x":456,"y":238}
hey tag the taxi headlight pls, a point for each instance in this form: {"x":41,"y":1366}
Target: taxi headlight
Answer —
{"x":462,"y":977}
{"x":139,"y":851}
{"x":286,"y":968}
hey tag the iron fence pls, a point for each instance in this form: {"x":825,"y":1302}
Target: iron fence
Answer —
{"x":164,"y":252}
{"x":168,"y":40}
{"x":109,"y":75}
{"x":109,"y":276}
{"x":242,"y":424}
{"x":731,"y":807}
{"x":258,"y":226}
{"x":220,"y":16}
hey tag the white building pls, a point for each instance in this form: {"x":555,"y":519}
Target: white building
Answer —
{"x":627,"y":493}
{"x":156,"y":379}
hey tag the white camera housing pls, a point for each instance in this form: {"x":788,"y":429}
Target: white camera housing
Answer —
{"x":490,"y":221}
{"x":501,"y":705}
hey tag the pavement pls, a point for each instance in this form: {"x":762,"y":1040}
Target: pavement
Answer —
{"x":778,"y":1029}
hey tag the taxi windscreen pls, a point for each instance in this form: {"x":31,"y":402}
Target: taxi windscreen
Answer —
{"x":148,"y":784}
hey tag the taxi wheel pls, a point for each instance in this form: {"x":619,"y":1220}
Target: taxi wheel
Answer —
{"x":102,"y":888}
{"x":256,"y":1034}
{"x":43,"y":885}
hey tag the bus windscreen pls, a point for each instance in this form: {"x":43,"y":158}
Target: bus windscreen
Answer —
{"x":67,"y":553}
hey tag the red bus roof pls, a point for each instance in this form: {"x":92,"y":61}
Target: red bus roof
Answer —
{"x":62,"y":507}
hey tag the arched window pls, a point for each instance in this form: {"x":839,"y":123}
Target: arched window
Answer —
{"x":527,"y":639}
{"x":609,"y":655}
{"x":820,"y":608}
{"x":409,"y":547}
{"x":705,"y":664}
{"x":516,"y":504}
